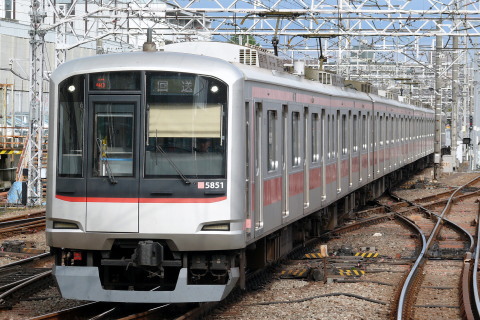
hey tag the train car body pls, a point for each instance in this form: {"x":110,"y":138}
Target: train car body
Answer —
{"x":171,"y":173}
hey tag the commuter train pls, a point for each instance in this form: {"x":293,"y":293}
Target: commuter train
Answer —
{"x":174,"y":173}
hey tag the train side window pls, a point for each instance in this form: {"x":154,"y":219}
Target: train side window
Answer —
{"x":114,"y":139}
{"x":371,"y":127}
{"x":344,"y":134}
{"x":323,"y":135}
{"x":397,"y":132}
{"x":71,"y":127}
{"x":272,"y":140}
{"x":388,"y":126}
{"x":381,"y":133}
{"x":296,"y":139}
{"x":328,"y":136}
{"x":354,"y":134}
{"x":315,"y":140}
{"x":185,"y":124}
{"x":364,"y":132}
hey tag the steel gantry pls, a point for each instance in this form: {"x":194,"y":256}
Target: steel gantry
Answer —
{"x":376,"y":40}
{"x":34,"y":144}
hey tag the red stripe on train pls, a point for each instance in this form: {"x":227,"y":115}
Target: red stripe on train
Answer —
{"x":295,"y":183}
{"x":141,"y":200}
{"x":272,"y":191}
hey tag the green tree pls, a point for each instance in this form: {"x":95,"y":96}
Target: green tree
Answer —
{"x":244,"y":39}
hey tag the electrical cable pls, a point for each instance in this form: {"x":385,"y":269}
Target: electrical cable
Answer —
{"x":335,"y":294}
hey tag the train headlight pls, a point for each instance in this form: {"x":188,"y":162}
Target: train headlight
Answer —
{"x":214,"y":89}
{"x":64,"y":225}
{"x":71,"y":88}
{"x":216,"y":227}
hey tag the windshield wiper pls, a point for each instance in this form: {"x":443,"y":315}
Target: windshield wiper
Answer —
{"x":185,"y":179}
{"x":111,"y":177}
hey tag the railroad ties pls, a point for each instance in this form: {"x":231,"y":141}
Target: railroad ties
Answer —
{"x":312,"y":265}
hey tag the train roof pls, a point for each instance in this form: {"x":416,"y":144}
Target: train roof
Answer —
{"x":130,"y":61}
{"x":222,"y":60}
{"x":270,"y":72}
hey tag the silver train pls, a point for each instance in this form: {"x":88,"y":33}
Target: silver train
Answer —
{"x":173,"y":173}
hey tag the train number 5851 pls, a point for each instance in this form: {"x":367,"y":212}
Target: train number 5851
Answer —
{"x":214,"y":185}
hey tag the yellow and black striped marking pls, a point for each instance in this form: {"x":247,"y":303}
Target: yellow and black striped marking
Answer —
{"x":10,"y":151}
{"x":313,"y":256}
{"x":32,"y":250}
{"x":294,"y":273}
{"x":351,"y":273}
{"x":367,"y":254}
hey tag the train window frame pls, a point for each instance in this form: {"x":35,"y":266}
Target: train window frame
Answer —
{"x":295,"y":142}
{"x":322,"y":136}
{"x":388,"y":126}
{"x":102,"y":82}
{"x":364,"y":132}
{"x":355,"y":133}
{"x":71,"y":91}
{"x":381,"y":134}
{"x":114,"y":156}
{"x":344,"y":128}
{"x":199,"y":153}
{"x":272,"y":117}
{"x":328,"y":136}
{"x":315,"y":124}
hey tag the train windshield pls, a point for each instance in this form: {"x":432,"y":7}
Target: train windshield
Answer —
{"x":185,"y":126}
{"x":70,"y":140}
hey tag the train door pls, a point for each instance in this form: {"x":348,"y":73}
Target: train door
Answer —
{"x":112,"y":166}
{"x":338,"y":133}
{"x":372,"y":145}
{"x":323,"y":151}
{"x":249,"y":171}
{"x":306,"y":158}
{"x":258,"y":169}
{"x":295,"y":162}
{"x":285,"y":156}
{"x":388,"y":145}
{"x":351,"y":138}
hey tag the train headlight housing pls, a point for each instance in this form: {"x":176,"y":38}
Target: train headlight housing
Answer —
{"x":216,"y":227}
{"x":64,"y":225}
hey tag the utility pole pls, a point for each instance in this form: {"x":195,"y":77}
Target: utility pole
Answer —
{"x":476,"y":107}
{"x":34,"y":147}
{"x":438,"y":108}
{"x":455,"y":102}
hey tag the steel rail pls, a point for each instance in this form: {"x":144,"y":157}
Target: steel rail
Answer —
{"x":424,"y":248}
{"x":25,"y":283}
{"x":24,"y":216}
{"x":24,"y":261}
{"x":21,"y":222}
{"x":422,"y":256}
{"x":476,"y":297}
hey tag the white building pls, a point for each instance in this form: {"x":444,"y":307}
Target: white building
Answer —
{"x":85,"y":29}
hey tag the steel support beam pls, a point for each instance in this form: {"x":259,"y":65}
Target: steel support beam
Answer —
{"x":34,"y":146}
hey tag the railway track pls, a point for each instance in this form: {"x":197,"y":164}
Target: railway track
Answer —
{"x":410,"y":215}
{"x":33,"y":221}
{"x":101,"y":310}
{"x":438,"y":283}
{"x":383,"y":274}
{"x":309,"y":264}
{"x":23,"y":278}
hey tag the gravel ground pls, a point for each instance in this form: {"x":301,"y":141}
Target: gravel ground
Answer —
{"x":37,"y":239}
{"x":393,"y":241}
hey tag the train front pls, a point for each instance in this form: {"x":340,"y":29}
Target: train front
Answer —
{"x":141,"y":164}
